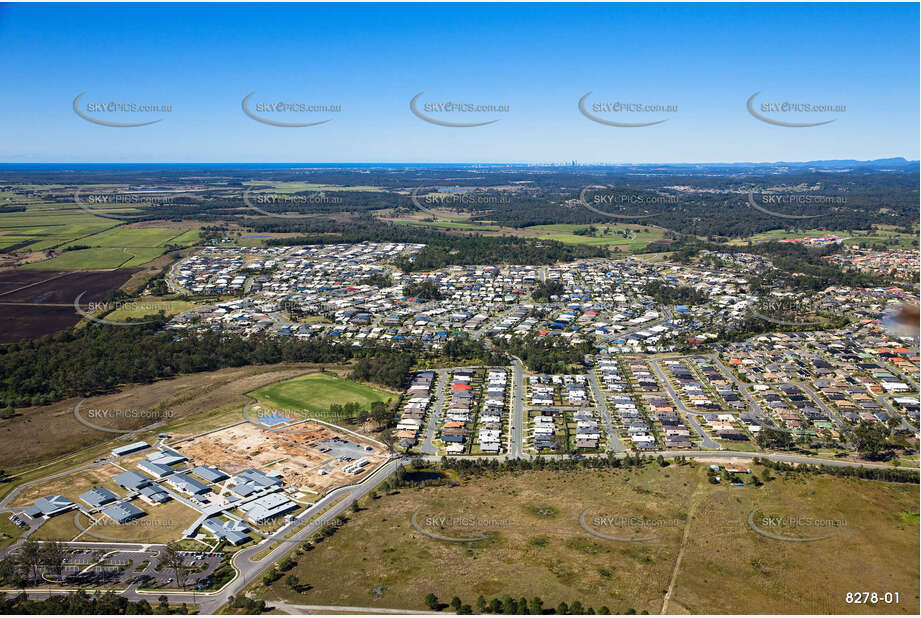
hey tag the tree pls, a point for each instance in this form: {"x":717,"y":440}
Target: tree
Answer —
{"x":431,"y":601}
{"x":52,"y":557}
{"x":770,"y":437}
{"x":537,"y":606}
{"x":456,"y":603}
{"x":562,"y":608}
{"x":29,"y":557}
{"x":173,"y":559}
{"x":509,"y":605}
{"x":380,"y":414}
{"x":10,"y":572}
{"x":481,"y":604}
{"x":870,"y":439}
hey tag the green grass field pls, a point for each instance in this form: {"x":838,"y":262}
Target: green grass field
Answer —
{"x":58,"y":224}
{"x":139,"y":237}
{"x":99,"y":258}
{"x":886,"y":236}
{"x":627,"y":236}
{"x":317,"y":391}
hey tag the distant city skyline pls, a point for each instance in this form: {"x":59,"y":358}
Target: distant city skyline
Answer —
{"x":719,"y":79}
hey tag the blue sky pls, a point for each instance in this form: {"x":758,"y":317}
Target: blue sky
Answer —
{"x":538,"y":59}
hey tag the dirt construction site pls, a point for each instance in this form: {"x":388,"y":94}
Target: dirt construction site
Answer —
{"x":309,"y":456}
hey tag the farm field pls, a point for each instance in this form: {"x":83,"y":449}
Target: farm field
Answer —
{"x":38,"y":302}
{"x":537,"y":547}
{"x":138,"y":237}
{"x":316,"y":392}
{"x":99,"y":258}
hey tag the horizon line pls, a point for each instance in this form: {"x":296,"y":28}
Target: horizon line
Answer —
{"x":459,"y":163}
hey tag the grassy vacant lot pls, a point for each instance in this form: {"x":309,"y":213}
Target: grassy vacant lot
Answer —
{"x":316,"y":392}
{"x":379,"y":559}
{"x":150,"y":306}
{"x":626,"y":236}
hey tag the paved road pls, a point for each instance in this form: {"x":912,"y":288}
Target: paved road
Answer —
{"x":614,"y":443}
{"x":815,"y":398}
{"x":743,"y":388}
{"x":248,"y":569}
{"x":691,"y":416}
{"x":516,"y":434}
{"x":881,"y":400}
{"x":441,"y":382}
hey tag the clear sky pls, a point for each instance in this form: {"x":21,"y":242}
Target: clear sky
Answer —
{"x":538,"y":59}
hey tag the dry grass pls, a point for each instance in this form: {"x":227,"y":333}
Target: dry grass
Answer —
{"x":43,"y":433}
{"x":70,"y":485}
{"x":379,"y":559}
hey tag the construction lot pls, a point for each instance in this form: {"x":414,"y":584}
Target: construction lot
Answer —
{"x":309,"y":456}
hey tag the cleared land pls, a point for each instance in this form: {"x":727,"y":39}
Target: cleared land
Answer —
{"x":379,"y":559}
{"x":294,"y":452}
{"x":316,"y":392}
{"x":36,"y":303}
{"x":192,"y":403}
